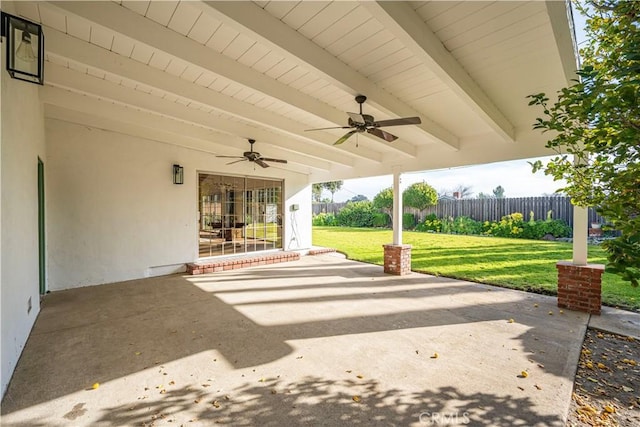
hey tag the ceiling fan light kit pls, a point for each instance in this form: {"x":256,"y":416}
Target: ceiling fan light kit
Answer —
{"x":360,"y":123}
{"x":253,"y":156}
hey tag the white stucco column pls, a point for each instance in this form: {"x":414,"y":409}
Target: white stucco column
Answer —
{"x":580,"y":230}
{"x":397,"y":209}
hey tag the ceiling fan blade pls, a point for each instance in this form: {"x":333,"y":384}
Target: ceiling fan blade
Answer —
{"x":230,"y":157}
{"x":334,"y":127}
{"x":344,"y":137}
{"x":266,"y":159}
{"x":398,"y":122}
{"x":382,"y":134}
{"x":261,"y":163}
{"x":357,"y":118}
{"x":237,"y":161}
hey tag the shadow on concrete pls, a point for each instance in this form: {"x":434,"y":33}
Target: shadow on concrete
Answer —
{"x":101,"y":333}
{"x":315,"y":401}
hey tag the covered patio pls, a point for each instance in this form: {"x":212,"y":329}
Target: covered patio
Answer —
{"x":117,"y":169}
{"x":319,"y":341}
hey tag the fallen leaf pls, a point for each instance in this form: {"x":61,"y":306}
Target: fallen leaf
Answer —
{"x":511,"y":320}
{"x":216,"y":403}
{"x":172,"y":382}
{"x":521,"y":388}
{"x":226,"y":397}
{"x":609,"y":409}
{"x":551,"y":313}
{"x":359,"y":376}
{"x":540,"y":365}
{"x":138,"y":353}
{"x":95,"y":385}
{"x":600,"y":336}
{"x":356,"y":399}
{"x":627,"y":389}
{"x":260,"y":380}
{"x":196,"y":401}
{"x":163,"y":391}
{"x":537,"y":386}
{"x":274,"y":391}
{"x":601,"y":365}
{"x":524,"y":374}
{"x":435,"y":356}
{"x":348,"y":372}
{"x":589,"y":365}
{"x":535,"y":305}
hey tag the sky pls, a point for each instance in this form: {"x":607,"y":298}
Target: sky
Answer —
{"x":515,"y":176}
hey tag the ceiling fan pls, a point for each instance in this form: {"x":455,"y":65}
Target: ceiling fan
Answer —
{"x":365,"y":123}
{"x":253,"y":156}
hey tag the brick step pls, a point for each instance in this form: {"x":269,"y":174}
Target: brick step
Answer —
{"x":241,"y":262}
{"x":321,"y":251}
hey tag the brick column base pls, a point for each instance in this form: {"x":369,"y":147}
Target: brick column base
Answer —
{"x":580,"y":286}
{"x":397,"y":259}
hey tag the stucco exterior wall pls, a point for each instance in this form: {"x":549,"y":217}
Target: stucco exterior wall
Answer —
{"x":22,"y":142}
{"x":115,"y":214}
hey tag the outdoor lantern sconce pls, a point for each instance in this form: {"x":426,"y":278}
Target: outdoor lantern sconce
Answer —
{"x":178,"y":174}
{"x":25,"y":49}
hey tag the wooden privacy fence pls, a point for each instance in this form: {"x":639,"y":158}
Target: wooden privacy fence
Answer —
{"x":489,"y":209}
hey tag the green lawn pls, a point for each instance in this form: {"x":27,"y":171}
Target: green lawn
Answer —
{"x":513,"y":263}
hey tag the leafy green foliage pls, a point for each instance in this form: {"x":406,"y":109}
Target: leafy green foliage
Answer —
{"x":596,"y":129}
{"x":384,"y":201}
{"x":408,"y":221}
{"x":316,"y":192}
{"x":357,"y":214}
{"x":512,"y":226}
{"x":381,"y":219}
{"x":332,"y":187}
{"x":324,"y":219}
{"x":358,"y":198}
{"x":420,"y":196}
{"x":498,"y":192}
{"x":431,"y":223}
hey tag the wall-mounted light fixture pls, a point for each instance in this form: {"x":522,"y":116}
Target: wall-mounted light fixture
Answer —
{"x":25,"y":48}
{"x":178,"y":174}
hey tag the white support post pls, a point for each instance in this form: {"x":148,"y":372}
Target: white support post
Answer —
{"x":580,"y":230}
{"x":397,"y":209}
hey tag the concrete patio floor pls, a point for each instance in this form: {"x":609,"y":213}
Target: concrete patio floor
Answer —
{"x":297,"y":343}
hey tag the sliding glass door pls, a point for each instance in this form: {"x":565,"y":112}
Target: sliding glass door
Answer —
{"x":238,"y":214}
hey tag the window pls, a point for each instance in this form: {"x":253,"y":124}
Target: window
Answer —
{"x":238,"y":214}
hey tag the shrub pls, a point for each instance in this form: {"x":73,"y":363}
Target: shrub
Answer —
{"x":357,"y":214}
{"x":466,"y":225}
{"x":408,"y":221}
{"x":381,"y":219}
{"x":324,"y":219}
{"x":431,"y":223}
{"x":509,"y":226}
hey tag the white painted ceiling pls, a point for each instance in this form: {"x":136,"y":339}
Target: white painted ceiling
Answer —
{"x":208,"y":75}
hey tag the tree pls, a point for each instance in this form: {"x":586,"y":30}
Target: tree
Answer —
{"x":359,"y":198}
{"x":316,"y":192}
{"x":384,"y":201}
{"x":498,"y":192}
{"x":332,"y":187}
{"x":482,"y":195}
{"x":596,"y":129}
{"x":420,"y":196}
